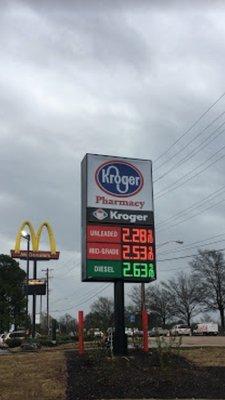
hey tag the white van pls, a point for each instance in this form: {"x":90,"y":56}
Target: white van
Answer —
{"x":181,"y":329}
{"x":206,"y":328}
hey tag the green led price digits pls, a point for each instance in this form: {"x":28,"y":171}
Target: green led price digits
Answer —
{"x":138,"y":270}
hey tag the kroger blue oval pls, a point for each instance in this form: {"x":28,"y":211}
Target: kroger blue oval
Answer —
{"x":119,"y":178}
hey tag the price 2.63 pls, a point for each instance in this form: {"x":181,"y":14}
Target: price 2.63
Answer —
{"x":138,"y":270}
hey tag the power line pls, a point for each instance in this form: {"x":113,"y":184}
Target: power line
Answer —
{"x":64,"y":264}
{"x":209,"y":238}
{"x":193,"y":247}
{"x":70,"y":260}
{"x":193,"y":139}
{"x":85,"y":301}
{"x":74,"y":293}
{"x":193,"y":216}
{"x":194,"y":206}
{"x":193,"y":153}
{"x":90,"y":298}
{"x":174,"y":268}
{"x":193,"y":170}
{"x":190,"y":128}
{"x":170,"y":189}
{"x":183,"y":257}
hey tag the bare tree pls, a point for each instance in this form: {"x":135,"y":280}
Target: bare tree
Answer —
{"x":67,"y":324}
{"x":209,"y":270}
{"x":135,"y":296}
{"x":184,"y":297}
{"x":102,"y":312}
{"x":156,"y":301}
{"x":159,"y":302}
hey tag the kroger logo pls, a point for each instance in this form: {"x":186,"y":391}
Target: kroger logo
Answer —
{"x":100,"y":214}
{"x":119,"y":178}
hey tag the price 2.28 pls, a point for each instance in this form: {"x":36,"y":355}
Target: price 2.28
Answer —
{"x":137,"y":235}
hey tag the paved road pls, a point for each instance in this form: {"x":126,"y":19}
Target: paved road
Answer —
{"x":193,"y":341}
{"x":187,"y":341}
{"x":3,"y":351}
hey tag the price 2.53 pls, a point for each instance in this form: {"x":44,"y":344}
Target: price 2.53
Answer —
{"x":136,"y":252}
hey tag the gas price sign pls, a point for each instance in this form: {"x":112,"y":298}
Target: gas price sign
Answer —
{"x":118,"y":228}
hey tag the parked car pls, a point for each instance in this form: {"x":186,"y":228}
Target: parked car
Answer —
{"x":2,"y":337}
{"x":207,"y":328}
{"x":20,"y":335}
{"x":181,"y":329}
{"x":158,"y":331}
{"x":129,"y":332}
{"x":98,"y":333}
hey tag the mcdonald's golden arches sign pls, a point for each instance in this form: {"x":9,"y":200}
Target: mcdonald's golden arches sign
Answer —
{"x":35,"y":253}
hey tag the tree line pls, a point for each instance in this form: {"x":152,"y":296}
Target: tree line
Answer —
{"x":178,"y":299}
{"x":189,"y":294}
{"x":12,"y":299}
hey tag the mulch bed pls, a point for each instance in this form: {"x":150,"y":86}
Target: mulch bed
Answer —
{"x":98,"y":376}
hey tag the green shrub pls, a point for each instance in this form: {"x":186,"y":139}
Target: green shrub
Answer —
{"x":46,"y":342}
{"x":166,"y":347}
{"x":13,"y":342}
{"x":89,"y":338}
{"x":66,"y":339}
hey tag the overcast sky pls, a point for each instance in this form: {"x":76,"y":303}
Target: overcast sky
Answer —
{"x":129,"y":80}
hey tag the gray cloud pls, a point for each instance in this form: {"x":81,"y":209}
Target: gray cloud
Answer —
{"x":113,"y":78}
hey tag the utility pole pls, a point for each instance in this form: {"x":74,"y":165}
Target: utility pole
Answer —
{"x":142,"y":296}
{"x":41,"y":310}
{"x":47,"y":289}
{"x":40,"y":305}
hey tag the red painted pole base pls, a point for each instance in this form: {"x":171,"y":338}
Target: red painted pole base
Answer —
{"x":81,"y":332}
{"x":145,"y":330}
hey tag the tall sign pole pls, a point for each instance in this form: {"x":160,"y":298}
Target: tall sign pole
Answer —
{"x":118,"y":238}
{"x":120,"y":340}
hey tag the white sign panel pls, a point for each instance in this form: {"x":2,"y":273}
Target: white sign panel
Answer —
{"x":119,"y":183}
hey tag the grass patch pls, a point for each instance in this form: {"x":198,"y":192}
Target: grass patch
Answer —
{"x":205,"y":357}
{"x":33,"y":376}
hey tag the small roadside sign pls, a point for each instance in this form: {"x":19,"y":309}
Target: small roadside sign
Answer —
{"x":132,"y":318}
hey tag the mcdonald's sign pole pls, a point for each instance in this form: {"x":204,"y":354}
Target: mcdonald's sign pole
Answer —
{"x":26,"y":236}
{"x":28,"y":250}
{"x":35,"y":254}
{"x":34,"y":302}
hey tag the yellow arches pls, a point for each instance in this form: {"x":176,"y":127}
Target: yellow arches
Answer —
{"x":35,"y":238}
